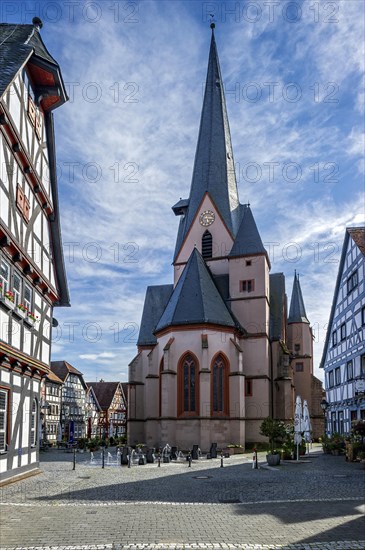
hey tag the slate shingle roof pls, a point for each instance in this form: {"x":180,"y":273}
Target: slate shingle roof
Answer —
{"x":155,"y":302}
{"x":297,"y":312}
{"x":196,"y":299}
{"x":248,"y":240}
{"x":277,"y":305}
{"x":17,"y":43}
{"x":213,"y":170}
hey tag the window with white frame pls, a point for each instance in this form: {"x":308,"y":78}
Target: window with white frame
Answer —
{"x":4,"y":275}
{"x":330,"y":379}
{"x":17,"y":288}
{"x":4,"y":396}
{"x":28,"y":297}
{"x":343,"y":331}
{"x":33,"y":423}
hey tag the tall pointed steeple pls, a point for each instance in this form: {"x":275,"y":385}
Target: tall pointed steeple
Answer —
{"x":297,"y":312}
{"x":213,"y":171}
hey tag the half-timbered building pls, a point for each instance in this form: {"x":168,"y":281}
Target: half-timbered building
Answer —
{"x":32,"y":272}
{"x":51,"y":404}
{"x":93,"y":411}
{"x":343,"y":357}
{"x":113,"y":403}
{"x":73,"y":406}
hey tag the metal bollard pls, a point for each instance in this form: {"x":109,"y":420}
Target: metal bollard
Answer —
{"x":74,"y":460}
{"x":121,"y":459}
{"x":129,"y":460}
{"x":221,"y":460}
{"x":159,"y":460}
{"x":189,"y":459}
{"x":102,"y":458}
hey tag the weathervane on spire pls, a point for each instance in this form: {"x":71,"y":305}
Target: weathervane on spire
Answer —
{"x":212,"y":23}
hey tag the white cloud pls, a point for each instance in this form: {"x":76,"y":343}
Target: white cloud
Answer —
{"x":153,"y":141}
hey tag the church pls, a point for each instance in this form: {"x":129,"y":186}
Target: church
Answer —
{"x":217,"y":352}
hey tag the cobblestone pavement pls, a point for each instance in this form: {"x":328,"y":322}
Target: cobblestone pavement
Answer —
{"x":315,"y":504}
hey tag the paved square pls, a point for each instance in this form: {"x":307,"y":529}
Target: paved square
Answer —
{"x":315,"y":504}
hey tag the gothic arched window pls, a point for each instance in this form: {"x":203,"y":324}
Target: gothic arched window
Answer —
{"x":188,"y":396}
{"x":207,"y":245}
{"x":219,"y":385}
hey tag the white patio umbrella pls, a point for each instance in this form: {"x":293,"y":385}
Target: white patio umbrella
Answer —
{"x":307,"y":428}
{"x":298,"y":423}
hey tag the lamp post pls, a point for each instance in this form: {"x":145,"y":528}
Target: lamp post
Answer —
{"x":324,"y":407}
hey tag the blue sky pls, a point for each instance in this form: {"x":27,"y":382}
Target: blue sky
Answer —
{"x":294,"y":79}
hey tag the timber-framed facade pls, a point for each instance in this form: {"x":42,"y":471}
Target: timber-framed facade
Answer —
{"x":32,"y":272}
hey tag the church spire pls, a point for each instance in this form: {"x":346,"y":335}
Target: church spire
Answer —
{"x":297,"y":312}
{"x":213,"y":171}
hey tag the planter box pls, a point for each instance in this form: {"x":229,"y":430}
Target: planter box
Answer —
{"x":234,"y":450}
{"x":20,"y":313}
{"x":8,"y":303}
{"x":273,"y":460}
{"x":29,"y":321}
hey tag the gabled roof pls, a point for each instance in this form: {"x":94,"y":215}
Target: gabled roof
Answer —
{"x":104,"y":392}
{"x":195,"y":299}
{"x":90,"y":389}
{"x":277,"y":305}
{"x":155,"y":302}
{"x":62,"y":369}
{"x":297,"y":312}
{"x":52,"y":377}
{"x":18,"y":44}
{"x":358,"y":236}
{"x":248,"y":240}
{"x":213,"y":170}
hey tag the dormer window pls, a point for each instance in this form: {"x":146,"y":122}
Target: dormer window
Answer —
{"x":207,"y":245}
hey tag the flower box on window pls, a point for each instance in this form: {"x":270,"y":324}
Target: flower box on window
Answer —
{"x":8,"y":299}
{"x":21,"y":310}
{"x":31,"y":319}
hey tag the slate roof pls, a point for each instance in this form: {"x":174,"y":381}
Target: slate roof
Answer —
{"x":155,"y":302}
{"x":358,"y":235}
{"x":17,"y":43}
{"x":248,"y":240}
{"x":213,"y":170}
{"x":297,"y":312}
{"x":104,"y":392}
{"x":196,"y":299}
{"x":277,"y":305}
{"x":62,"y":369}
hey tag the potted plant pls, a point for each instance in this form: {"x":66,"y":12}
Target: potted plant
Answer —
{"x":21,"y":310}
{"x":31,"y":318}
{"x":81,"y":444}
{"x":8,"y":299}
{"x":275,"y":431}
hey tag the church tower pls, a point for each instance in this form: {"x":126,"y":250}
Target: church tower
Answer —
{"x":300,"y":343}
{"x":211,"y":346}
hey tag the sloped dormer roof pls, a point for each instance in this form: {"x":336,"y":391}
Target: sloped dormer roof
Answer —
{"x":196,"y":299}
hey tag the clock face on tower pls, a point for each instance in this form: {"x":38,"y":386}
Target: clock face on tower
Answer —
{"x":207,"y":218}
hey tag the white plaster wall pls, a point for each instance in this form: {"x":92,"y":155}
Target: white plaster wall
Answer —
{"x":5,"y":376}
{"x":4,"y":326}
